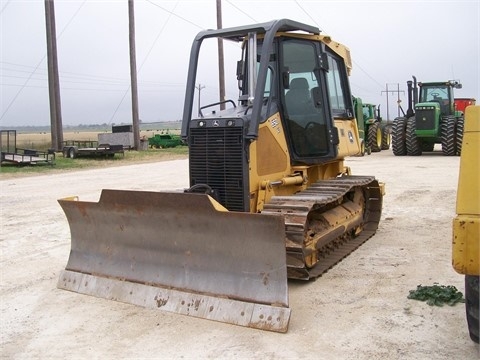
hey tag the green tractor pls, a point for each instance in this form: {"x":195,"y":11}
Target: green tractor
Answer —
{"x":431,"y":119}
{"x":373,"y":132}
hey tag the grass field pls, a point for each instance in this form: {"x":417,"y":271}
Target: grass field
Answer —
{"x":42,"y":141}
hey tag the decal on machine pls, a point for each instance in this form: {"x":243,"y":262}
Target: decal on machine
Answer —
{"x":275,"y":125}
{"x":350,"y":136}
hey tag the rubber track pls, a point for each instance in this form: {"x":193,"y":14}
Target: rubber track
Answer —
{"x":295,"y":209}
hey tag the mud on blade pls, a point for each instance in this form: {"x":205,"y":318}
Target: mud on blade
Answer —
{"x":177,"y":252}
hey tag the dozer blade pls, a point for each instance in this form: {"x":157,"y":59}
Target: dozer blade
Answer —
{"x":177,"y":252}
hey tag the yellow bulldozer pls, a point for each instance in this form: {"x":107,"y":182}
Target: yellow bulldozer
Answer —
{"x":466,"y":225}
{"x":270,"y":197}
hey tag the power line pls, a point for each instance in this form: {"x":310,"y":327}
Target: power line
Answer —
{"x":64,"y":88}
{"x":39,"y":63}
{"x":306,"y":13}
{"x":4,"y":7}
{"x":323,"y":30}
{"x":145,"y":59}
{"x":74,"y":75}
{"x":174,"y":14}
{"x":22,"y":87}
{"x":371,"y":77}
{"x":240,"y":10}
{"x":73,"y":78}
{"x":93,"y":82}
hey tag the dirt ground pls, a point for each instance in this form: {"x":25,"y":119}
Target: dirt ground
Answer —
{"x":358,"y":310}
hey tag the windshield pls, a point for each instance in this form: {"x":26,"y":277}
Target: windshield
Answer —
{"x":434,"y":93}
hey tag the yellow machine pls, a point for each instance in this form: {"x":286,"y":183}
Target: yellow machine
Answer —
{"x":466,"y":225}
{"x":270,"y":195}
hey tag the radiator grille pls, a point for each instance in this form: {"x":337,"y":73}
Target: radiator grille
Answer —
{"x":216,"y":159}
{"x":425,"y":119}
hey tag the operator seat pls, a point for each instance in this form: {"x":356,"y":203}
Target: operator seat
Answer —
{"x":298,"y":97}
{"x":306,"y":125}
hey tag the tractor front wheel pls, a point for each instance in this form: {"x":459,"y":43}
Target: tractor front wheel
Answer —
{"x":374,"y":137}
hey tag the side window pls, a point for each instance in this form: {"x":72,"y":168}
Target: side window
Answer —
{"x":268,"y":83}
{"x":337,"y":88}
{"x":366,"y":114}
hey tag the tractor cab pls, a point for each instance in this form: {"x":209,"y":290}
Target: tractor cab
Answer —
{"x":435,"y":102}
{"x":438,"y":93}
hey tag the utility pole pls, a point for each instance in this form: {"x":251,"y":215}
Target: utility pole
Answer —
{"x":398,"y":91}
{"x":221,"y":66}
{"x":133,"y":76}
{"x":199,"y":88}
{"x":56,"y":127}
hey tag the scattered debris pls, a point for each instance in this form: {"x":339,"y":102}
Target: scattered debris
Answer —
{"x":437,"y":295}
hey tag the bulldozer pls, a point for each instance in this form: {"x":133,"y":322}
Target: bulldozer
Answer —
{"x":466,"y":225}
{"x":270,"y":197}
{"x":430,"y":119}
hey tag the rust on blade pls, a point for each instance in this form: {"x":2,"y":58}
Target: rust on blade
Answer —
{"x":242,"y":313}
{"x":180,"y":242}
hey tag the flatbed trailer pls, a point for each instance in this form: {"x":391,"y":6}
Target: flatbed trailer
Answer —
{"x":74,"y":149}
{"x":28,"y":156}
{"x":19,"y":156}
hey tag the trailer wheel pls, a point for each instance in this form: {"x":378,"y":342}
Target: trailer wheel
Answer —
{"x":471,"y":305}
{"x":72,"y":154}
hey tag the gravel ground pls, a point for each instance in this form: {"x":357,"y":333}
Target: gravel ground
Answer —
{"x":358,"y":310}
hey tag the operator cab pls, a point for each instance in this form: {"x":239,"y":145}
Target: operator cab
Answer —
{"x":307,"y":84}
{"x":441,"y":93}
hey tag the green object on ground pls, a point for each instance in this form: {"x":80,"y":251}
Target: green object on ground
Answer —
{"x":437,"y":295}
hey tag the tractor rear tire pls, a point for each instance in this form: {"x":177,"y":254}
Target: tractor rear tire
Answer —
{"x":398,"y":136}
{"x":374,"y":137}
{"x":386,"y":138}
{"x":459,"y":134}
{"x":414,"y":146}
{"x":449,"y":140}
{"x":471,"y":305}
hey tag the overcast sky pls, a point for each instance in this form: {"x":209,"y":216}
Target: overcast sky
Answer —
{"x":389,"y":41}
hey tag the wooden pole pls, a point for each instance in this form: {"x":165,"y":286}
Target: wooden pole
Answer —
{"x":133,"y":76}
{"x":199,"y":87}
{"x":53,"y":78}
